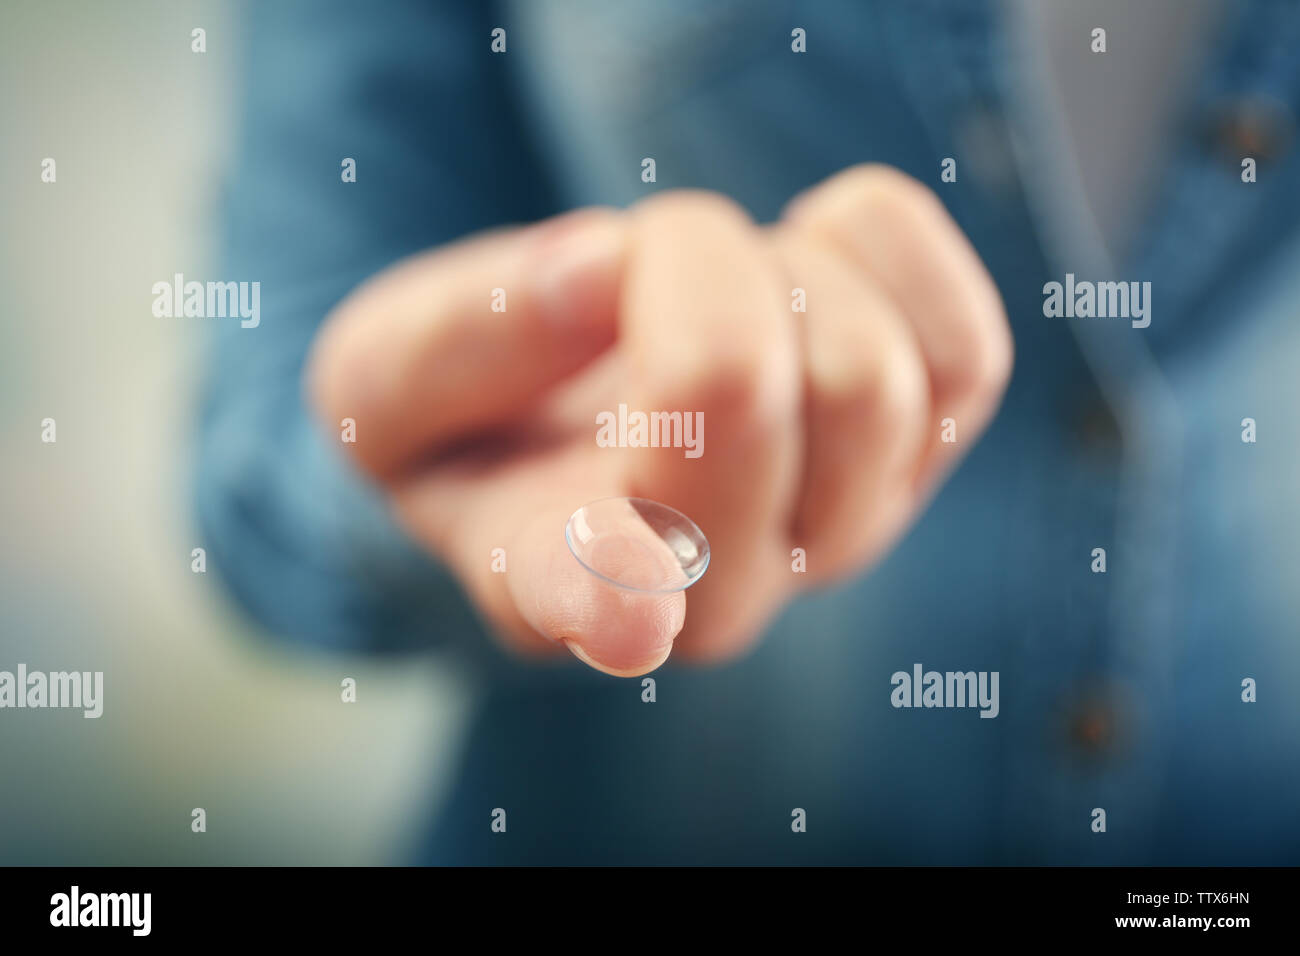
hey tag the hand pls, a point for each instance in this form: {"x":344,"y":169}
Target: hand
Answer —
{"x":822,"y":428}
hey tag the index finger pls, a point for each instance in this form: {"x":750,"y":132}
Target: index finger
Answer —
{"x":707,"y":333}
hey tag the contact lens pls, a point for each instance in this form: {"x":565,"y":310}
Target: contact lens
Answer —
{"x":638,"y":544}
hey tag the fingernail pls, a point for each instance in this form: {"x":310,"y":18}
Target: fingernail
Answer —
{"x":581,"y":654}
{"x":576,"y":272}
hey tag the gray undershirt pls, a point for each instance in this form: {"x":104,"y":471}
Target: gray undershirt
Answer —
{"x":1116,"y":109}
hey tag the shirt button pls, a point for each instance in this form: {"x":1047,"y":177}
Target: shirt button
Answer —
{"x":1096,"y":429}
{"x":1092,"y":729}
{"x":1260,"y":127}
{"x":984,"y":143}
{"x":1096,"y":725}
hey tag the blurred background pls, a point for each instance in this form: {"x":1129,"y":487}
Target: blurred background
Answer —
{"x":1126,"y":686}
{"x":98,"y":526}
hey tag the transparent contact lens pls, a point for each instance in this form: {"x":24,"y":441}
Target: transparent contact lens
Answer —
{"x":638,"y":544}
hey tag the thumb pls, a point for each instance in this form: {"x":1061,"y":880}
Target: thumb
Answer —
{"x":464,"y":336}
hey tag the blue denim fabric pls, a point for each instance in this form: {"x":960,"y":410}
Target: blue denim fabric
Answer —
{"x":1118,"y":690}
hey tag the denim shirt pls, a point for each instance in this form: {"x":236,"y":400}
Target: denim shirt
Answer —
{"x":1119,"y":690}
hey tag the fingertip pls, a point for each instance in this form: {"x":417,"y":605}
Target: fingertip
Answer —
{"x":619,"y":632}
{"x":581,"y":654}
{"x":616,"y":630}
{"x":630,"y":633}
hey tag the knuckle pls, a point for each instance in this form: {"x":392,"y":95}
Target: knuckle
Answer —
{"x":886,"y":401}
{"x":986,"y":358}
{"x":694,"y":206}
{"x":744,"y":389}
{"x":898,"y":396}
{"x":890,"y":195}
{"x":995,"y":359}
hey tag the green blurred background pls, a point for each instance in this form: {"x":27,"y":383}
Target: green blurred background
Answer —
{"x":199,"y":711}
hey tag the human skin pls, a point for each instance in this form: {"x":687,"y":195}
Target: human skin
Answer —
{"x":823,"y":428}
